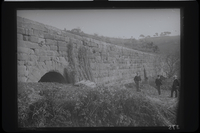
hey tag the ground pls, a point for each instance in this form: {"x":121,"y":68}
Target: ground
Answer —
{"x":65,"y":105}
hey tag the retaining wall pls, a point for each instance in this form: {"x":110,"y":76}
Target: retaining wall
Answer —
{"x":42,"y":48}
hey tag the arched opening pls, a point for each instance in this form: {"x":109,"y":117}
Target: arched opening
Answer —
{"x":52,"y":76}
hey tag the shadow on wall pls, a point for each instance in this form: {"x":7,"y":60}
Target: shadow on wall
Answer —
{"x":53,"y":76}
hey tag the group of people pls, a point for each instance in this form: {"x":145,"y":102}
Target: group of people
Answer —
{"x":158,"y":82}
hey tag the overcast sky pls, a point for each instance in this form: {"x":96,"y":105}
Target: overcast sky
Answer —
{"x":123,"y":23}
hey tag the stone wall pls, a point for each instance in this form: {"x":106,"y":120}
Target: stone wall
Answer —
{"x":42,"y":48}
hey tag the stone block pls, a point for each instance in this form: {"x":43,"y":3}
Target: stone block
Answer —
{"x":22,"y":57}
{"x":32,"y":78}
{"x":24,"y":50}
{"x":50,"y":42}
{"x":49,"y":53}
{"x":40,"y":52}
{"x":62,"y":48}
{"x":41,"y":40}
{"x":53,"y":48}
{"x":19,"y":37}
{"x":32,"y":45}
{"x":20,"y":63}
{"x":44,"y":58}
{"x":21,"y":68}
{"x":59,"y":38}
{"x":49,"y":36}
{"x":67,"y":39}
{"x":20,"y":30}
{"x":73,"y":40}
{"x":33,"y":58}
{"x":62,"y":44}
{"x":25,"y":38}
{"x":22,"y":79}
{"x":29,"y":63}
{"x":38,"y":33}
{"x":22,"y":71}
{"x":33,"y":39}
{"x":29,"y":32}
{"x":48,"y":63}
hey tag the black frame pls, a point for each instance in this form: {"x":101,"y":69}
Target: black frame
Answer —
{"x":188,"y":110}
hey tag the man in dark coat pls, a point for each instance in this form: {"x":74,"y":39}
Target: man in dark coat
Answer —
{"x":137,"y":80}
{"x":175,"y":86}
{"x":158,"y":83}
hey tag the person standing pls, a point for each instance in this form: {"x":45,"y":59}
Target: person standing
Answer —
{"x":158,"y":83}
{"x":137,"y":80}
{"x":175,"y":86}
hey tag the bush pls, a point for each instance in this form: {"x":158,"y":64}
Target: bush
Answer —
{"x":59,"y":105}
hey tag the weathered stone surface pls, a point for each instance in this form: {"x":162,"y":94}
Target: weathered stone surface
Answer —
{"x":49,"y":53}
{"x":20,"y":30}
{"x":25,"y":38}
{"x":53,"y":48}
{"x":33,"y":58}
{"x":22,"y":79}
{"x":67,"y":39}
{"x":109,"y":63}
{"x":22,"y":56}
{"x":62,"y":44}
{"x":19,"y":36}
{"x":48,"y":36}
{"x":62,"y":48}
{"x":38,"y":33}
{"x":50,"y":42}
{"x":29,"y":32}
{"x":29,"y":63}
{"x":59,"y":38}
{"x":33,"y":39}
{"x":24,"y":50}
{"x":41,"y":40}
{"x":44,"y":58}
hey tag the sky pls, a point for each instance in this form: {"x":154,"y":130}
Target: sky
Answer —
{"x":123,"y":23}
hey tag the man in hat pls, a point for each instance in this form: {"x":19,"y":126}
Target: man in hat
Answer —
{"x":175,"y":86}
{"x":158,"y":83}
{"x":137,"y":80}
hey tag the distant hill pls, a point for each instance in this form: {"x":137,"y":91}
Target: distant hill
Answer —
{"x":166,"y":43}
{"x":163,"y":44}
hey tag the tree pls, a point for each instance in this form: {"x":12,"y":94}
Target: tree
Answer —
{"x":148,"y":36}
{"x":167,"y":33}
{"x":156,"y":34}
{"x":172,"y":64}
{"x":77,"y":30}
{"x":142,"y":35}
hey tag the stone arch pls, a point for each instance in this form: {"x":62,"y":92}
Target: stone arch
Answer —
{"x":53,"y":76}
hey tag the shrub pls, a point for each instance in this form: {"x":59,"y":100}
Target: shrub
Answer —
{"x":61,"y":105}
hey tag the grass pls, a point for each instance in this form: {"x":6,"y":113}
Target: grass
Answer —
{"x":59,"y":105}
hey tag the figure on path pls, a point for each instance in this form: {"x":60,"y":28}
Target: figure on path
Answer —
{"x":175,"y":86}
{"x":137,"y":80}
{"x":158,"y":83}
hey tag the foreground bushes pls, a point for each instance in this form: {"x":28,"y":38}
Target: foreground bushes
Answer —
{"x":58,"y":105}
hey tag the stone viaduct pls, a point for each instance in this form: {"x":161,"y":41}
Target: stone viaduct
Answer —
{"x":42,"y":48}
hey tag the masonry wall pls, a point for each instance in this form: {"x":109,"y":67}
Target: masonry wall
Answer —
{"x":42,"y":48}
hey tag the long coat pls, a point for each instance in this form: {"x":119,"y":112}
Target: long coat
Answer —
{"x":175,"y":84}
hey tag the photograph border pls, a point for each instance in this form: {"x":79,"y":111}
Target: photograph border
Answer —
{"x":188,"y":106}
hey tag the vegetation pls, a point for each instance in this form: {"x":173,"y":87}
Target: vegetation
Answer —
{"x":61,"y":105}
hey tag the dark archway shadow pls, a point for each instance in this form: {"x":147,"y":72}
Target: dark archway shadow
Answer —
{"x":53,"y":76}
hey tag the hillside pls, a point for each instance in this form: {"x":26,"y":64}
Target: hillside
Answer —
{"x":162,"y":44}
{"x":166,"y":43}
